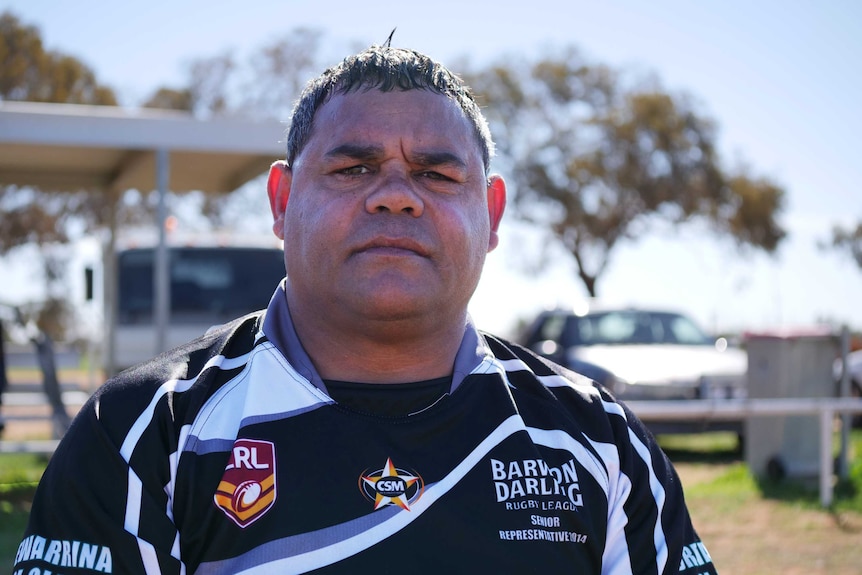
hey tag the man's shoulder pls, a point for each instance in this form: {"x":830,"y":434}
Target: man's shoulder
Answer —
{"x":542,"y":388}
{"x":517,"y":358}
{"x":201,"y":364}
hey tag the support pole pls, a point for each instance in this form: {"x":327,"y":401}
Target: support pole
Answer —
{"x":161,"y":265}
{"x":846,"y":418}
{"x":827,"y":417}
{"x":110,"y":286}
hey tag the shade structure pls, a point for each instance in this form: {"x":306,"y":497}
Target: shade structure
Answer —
{"x":71,"y":147}
{"x":67,"y":147}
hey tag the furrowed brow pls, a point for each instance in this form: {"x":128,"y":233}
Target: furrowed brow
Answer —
{"x":434,"y":158}
{"x":356,"y":151}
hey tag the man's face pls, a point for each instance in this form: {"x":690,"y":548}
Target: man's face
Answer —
{"x":387,"y":213}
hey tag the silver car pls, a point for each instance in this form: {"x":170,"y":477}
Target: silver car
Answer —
{"x":642,"y":353}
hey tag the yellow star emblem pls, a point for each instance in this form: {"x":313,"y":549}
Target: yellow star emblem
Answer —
{"x":391,"y":485}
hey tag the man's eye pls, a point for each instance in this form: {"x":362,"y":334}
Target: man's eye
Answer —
{"x":354,"y":170}
{"x":436,"y":176}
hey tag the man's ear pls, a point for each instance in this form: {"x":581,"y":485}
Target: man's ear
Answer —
{"x":278,"y":190}
{"x":496,"y":207}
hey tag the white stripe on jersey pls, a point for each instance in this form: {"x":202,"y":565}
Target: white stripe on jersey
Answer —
{"x":614,"y":409}
{"x":266,"y":389}
{"x":559,"y":439}
{"x":172,"y":385}
{"x":584,"y":384}
{"x":615,"y":557}
{"x":659,"y":495}
{"x":132,"y":520}
{"x":489,"y":364}
{"x":133,"y":503}
{"x":135,"y":488}
{"x":352,"y":545}
{"x":173,"y":461}
{"x":148,"y":555}
{"x":616,"y":551}
{"x":327,"y":555}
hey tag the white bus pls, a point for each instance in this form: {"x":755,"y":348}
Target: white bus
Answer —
{"x":209,"y":285}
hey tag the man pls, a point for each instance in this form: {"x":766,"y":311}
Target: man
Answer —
{"x":362,"y":424}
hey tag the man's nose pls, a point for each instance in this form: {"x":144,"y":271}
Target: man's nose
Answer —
{"x":397,"y":194}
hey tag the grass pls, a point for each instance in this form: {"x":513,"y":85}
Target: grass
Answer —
{"x":750,"y":525}
{"x":19,"y":475}
{"x":721,"y":449}
{"x":762,"y":526}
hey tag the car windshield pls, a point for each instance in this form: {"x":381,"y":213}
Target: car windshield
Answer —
{"x":627,"y":327}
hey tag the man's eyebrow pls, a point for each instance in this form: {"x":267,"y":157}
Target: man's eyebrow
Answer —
{"x":364,"y":152}
{"x":438,"y":158}
{"x":371,"y":152}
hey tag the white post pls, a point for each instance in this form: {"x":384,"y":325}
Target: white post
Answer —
{"x":827,"y":417}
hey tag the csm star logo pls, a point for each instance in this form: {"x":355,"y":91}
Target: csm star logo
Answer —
{"x":391,"y":486}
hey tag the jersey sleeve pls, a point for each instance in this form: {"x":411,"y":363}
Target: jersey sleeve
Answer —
{"x":650,"y":530}
{"x":94,"y":513}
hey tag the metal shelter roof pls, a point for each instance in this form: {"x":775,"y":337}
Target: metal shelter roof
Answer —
{"x":70,"y":147}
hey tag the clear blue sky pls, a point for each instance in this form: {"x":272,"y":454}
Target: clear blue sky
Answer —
{"x":782,"y":80}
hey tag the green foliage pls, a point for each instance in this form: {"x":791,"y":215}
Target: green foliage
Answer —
{"x":29,"y":216}
{"x":34,"y":74}
{"x":849,"y":241}
{"x":262,"y":87}
{"x":13,"y":521}
{"x":848,"y":491}
{"x":712,"y":447}
{"x":42,"y":217}
{"x":737,"y":485}
{"x":170,"y":99}
{"x":732,"y":490}
{"x":20,"y":468}
{"x":19,"y":475}
{"x":595,"y":160}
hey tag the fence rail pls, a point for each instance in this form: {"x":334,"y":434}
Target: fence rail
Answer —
{"x":718,"y":410}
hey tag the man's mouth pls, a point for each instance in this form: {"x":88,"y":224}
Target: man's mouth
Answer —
{"x":394,"y":247}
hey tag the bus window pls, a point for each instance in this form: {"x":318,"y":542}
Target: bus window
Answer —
{"x":208,"y":285}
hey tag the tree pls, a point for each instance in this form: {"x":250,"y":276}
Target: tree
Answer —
{"x":31,"y":73}
{"x":207,"y":93}
{"x":262,"y":87}
{"x":850,"y":241}
{"x":170,"y":99}
{"x":36,"y":216}
{"x":595,"y":161}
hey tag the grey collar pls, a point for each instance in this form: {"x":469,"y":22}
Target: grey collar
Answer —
{"x":278,"y":328}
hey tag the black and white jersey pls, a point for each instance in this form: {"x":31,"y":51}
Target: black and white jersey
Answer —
{"x":228,"y":455}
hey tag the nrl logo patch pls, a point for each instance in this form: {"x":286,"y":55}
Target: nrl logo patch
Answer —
{"x":391,"y":486}
{"x":247,"y":488}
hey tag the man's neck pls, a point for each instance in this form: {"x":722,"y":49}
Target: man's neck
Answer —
{"x":379,"y":351}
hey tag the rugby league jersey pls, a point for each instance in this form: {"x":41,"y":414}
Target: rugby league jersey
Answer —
{"x":228,"y":455}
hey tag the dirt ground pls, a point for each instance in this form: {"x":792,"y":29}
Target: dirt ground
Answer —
{"x":750,"y":535}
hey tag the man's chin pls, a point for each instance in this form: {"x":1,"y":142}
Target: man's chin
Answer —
{"x":393,"y":308}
